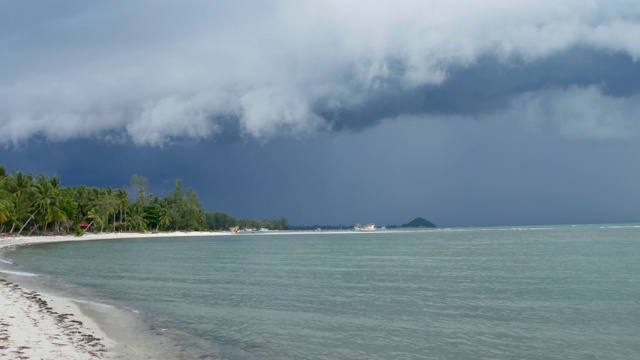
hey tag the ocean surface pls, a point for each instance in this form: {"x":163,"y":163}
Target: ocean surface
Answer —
{"x":556,"y":292}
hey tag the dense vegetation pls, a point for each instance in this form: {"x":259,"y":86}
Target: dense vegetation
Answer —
{"x":39,"y":204}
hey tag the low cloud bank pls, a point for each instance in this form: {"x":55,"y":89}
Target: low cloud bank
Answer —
{"x":157,"y":71}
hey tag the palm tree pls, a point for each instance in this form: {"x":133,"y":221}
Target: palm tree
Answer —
{"x":23,"y":189}
{"x":164,"y":218}
{"x":122,"y":200}
{"x":136,"y":220}
{"x":111,"y":206}
{"x":6,"y":199}
{"x":69,"y":207}
{"x":96,"y":217}
{"x":80,"y":195}
{"x":46,"y":203}
{"x":57,"y":213}
{"x":42,"y":203}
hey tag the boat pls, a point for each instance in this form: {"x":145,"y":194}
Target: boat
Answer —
{"x":368,"y":227}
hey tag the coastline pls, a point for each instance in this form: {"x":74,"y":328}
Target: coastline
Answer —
{"x":34,"y":323}
{"x":39,"y":322}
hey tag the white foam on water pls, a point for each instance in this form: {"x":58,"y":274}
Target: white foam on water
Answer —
{"x":6,"y":261}
{"x":19,"y":273}
{"x":493,"y":229}
{"x":619,"y":226}
{"x":93,"y":303}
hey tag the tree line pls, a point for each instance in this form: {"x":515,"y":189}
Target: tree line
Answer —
{"x":41,"y":205}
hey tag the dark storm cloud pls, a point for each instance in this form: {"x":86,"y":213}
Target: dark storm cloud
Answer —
{"x":453,"y":171}
{"x":467,"y":112}
{"x":155,"y":72}
{"x":489,"y":85}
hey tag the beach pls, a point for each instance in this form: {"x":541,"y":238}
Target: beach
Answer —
{"x":36,"y":324}
{"x":39,"y":325}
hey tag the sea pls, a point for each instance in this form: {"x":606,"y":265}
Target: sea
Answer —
{"x":543,"y":292}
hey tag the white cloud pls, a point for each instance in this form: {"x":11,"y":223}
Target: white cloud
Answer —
{"x":159,"y":70}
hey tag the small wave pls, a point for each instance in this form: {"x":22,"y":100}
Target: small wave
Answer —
{"x":125,"y":308}
{"x":495,"y":229}
{"x":93,"y":303}
{"x":526,"y":229}
{"x":619,"y":226}
{"x":19,"y":273}
{"x":100,"y":304}
{"x":6,"y":261}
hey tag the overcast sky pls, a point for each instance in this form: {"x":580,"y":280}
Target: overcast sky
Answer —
{"x":487,"y":112}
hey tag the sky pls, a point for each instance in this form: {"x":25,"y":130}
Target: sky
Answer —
{"x":466,"y":112}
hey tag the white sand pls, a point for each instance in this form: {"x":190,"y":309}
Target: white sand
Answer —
{"x":35,"y":325}
{"x":38,"y":326}
{"x":23,"y":240}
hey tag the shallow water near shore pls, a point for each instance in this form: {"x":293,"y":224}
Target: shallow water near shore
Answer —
{"x":557,"y":292}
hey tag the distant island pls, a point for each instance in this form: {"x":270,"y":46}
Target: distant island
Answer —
{"x":415,"y":223}
{"x":419,"y":223}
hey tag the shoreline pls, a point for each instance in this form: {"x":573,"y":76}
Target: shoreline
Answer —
{"x":38,"y":323}
{"x":6,"y":241}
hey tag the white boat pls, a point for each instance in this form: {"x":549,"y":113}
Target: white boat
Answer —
{"x":368,"y":227}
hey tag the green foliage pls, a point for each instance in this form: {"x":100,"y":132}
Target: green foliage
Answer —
{"x":219,"y":221}
{"x":77,"y":231}
{"x":278,"y":224}
{"x":40,"y":204}
{"x":151,"y":214}
{"x":136,"y":220}
{"x":185,"y":210}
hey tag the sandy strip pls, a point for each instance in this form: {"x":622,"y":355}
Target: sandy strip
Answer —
{"x":24,"y":240}
{"x":36,"y":325}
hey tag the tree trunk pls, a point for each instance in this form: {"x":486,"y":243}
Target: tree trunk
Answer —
{"x":88,"y":226}
{"x":27,"y":222}
{"x":32,"y":230}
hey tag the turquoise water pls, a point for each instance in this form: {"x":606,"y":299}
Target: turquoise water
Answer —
{"x":486,"y":293}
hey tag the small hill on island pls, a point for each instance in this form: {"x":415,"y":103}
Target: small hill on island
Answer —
{"x":419,"y":223}
{"x":415,"y":223}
